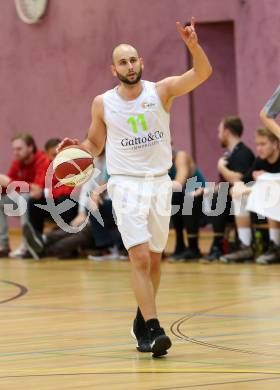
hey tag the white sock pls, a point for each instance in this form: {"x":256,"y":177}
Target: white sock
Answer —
{"x":245,"y":235}
{"x":274,"y":235}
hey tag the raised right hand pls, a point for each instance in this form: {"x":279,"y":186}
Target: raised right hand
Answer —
{"x":66,"y":142}
{"x":188,"y":33}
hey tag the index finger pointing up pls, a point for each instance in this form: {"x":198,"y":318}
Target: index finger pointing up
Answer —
{"x":193,"y":21}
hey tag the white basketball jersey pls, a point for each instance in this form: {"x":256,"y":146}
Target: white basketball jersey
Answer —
{"x":138,"y":134}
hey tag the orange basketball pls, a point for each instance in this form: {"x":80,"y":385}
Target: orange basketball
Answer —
{"x":73,"y":165}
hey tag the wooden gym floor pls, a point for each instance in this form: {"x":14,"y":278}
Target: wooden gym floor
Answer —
{"x":65,"y":325}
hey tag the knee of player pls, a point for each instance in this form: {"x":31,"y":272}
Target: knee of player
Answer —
{"x":141,"y":262}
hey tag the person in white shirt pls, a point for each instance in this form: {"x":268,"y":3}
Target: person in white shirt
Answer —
{"x":132,"y":121}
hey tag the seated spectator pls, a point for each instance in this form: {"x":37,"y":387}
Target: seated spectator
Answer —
{"x":59,"y":194}
{"x":231,"y":167}
{"x":50,"y":148}
{"x":58,"y":243}
{"x":63,"y":244}
{"x":270,"y":112}
{"x":182,"y":169}
{"x":268,"y":160}
{"x":29,"y":167}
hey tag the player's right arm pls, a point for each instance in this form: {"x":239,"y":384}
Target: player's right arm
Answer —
{"x":97,"y":133}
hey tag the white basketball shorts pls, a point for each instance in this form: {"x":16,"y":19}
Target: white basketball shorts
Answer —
{"x":142,"y":207}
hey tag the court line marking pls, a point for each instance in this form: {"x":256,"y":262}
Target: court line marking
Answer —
{"x":163,"y":313}
{"x":100,"y":269}
{"x":111,"y":355}
{"x":119,"y":371}
{"x":216,"y":383}
{"x":22,"y":291}
{"x":179,"y":334}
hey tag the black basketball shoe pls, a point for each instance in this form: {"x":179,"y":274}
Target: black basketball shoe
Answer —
{"x":140,"y":333}
{"x":160,"y":342}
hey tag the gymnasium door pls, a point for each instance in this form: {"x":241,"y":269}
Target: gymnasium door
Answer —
{"x":216,"y":98}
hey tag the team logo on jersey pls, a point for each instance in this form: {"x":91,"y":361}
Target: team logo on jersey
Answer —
{"x":148,"y":105}
{"x":152,"y":138}
{"x":143,"y":137}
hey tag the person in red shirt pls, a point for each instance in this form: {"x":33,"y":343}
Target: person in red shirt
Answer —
{"x":58,"y":192}
{"x":28,"y":170}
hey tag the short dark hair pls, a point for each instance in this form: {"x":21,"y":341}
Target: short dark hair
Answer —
{"x":264,"y":132}
{"x":234,"y":125}
{"x":27,"y":138}
{"x":52,"y":143}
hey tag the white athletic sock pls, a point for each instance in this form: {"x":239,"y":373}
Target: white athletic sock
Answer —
{"x":245,"y":235}
{"x":274,"y":235}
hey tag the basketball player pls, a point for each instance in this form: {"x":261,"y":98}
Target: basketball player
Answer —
{"x":133,"y":121}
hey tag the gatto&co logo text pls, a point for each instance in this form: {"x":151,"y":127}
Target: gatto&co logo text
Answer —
{"x":150,"y":139}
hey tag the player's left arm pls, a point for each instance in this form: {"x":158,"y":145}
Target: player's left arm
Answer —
{"x":174,"y":86}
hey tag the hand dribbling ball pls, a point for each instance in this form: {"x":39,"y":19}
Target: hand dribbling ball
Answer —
{"x":73,"y":165}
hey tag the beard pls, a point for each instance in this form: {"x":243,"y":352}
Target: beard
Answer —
{"x":223,"y":144}
{"x":22,"y":158}
{"x":125,"y":80}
